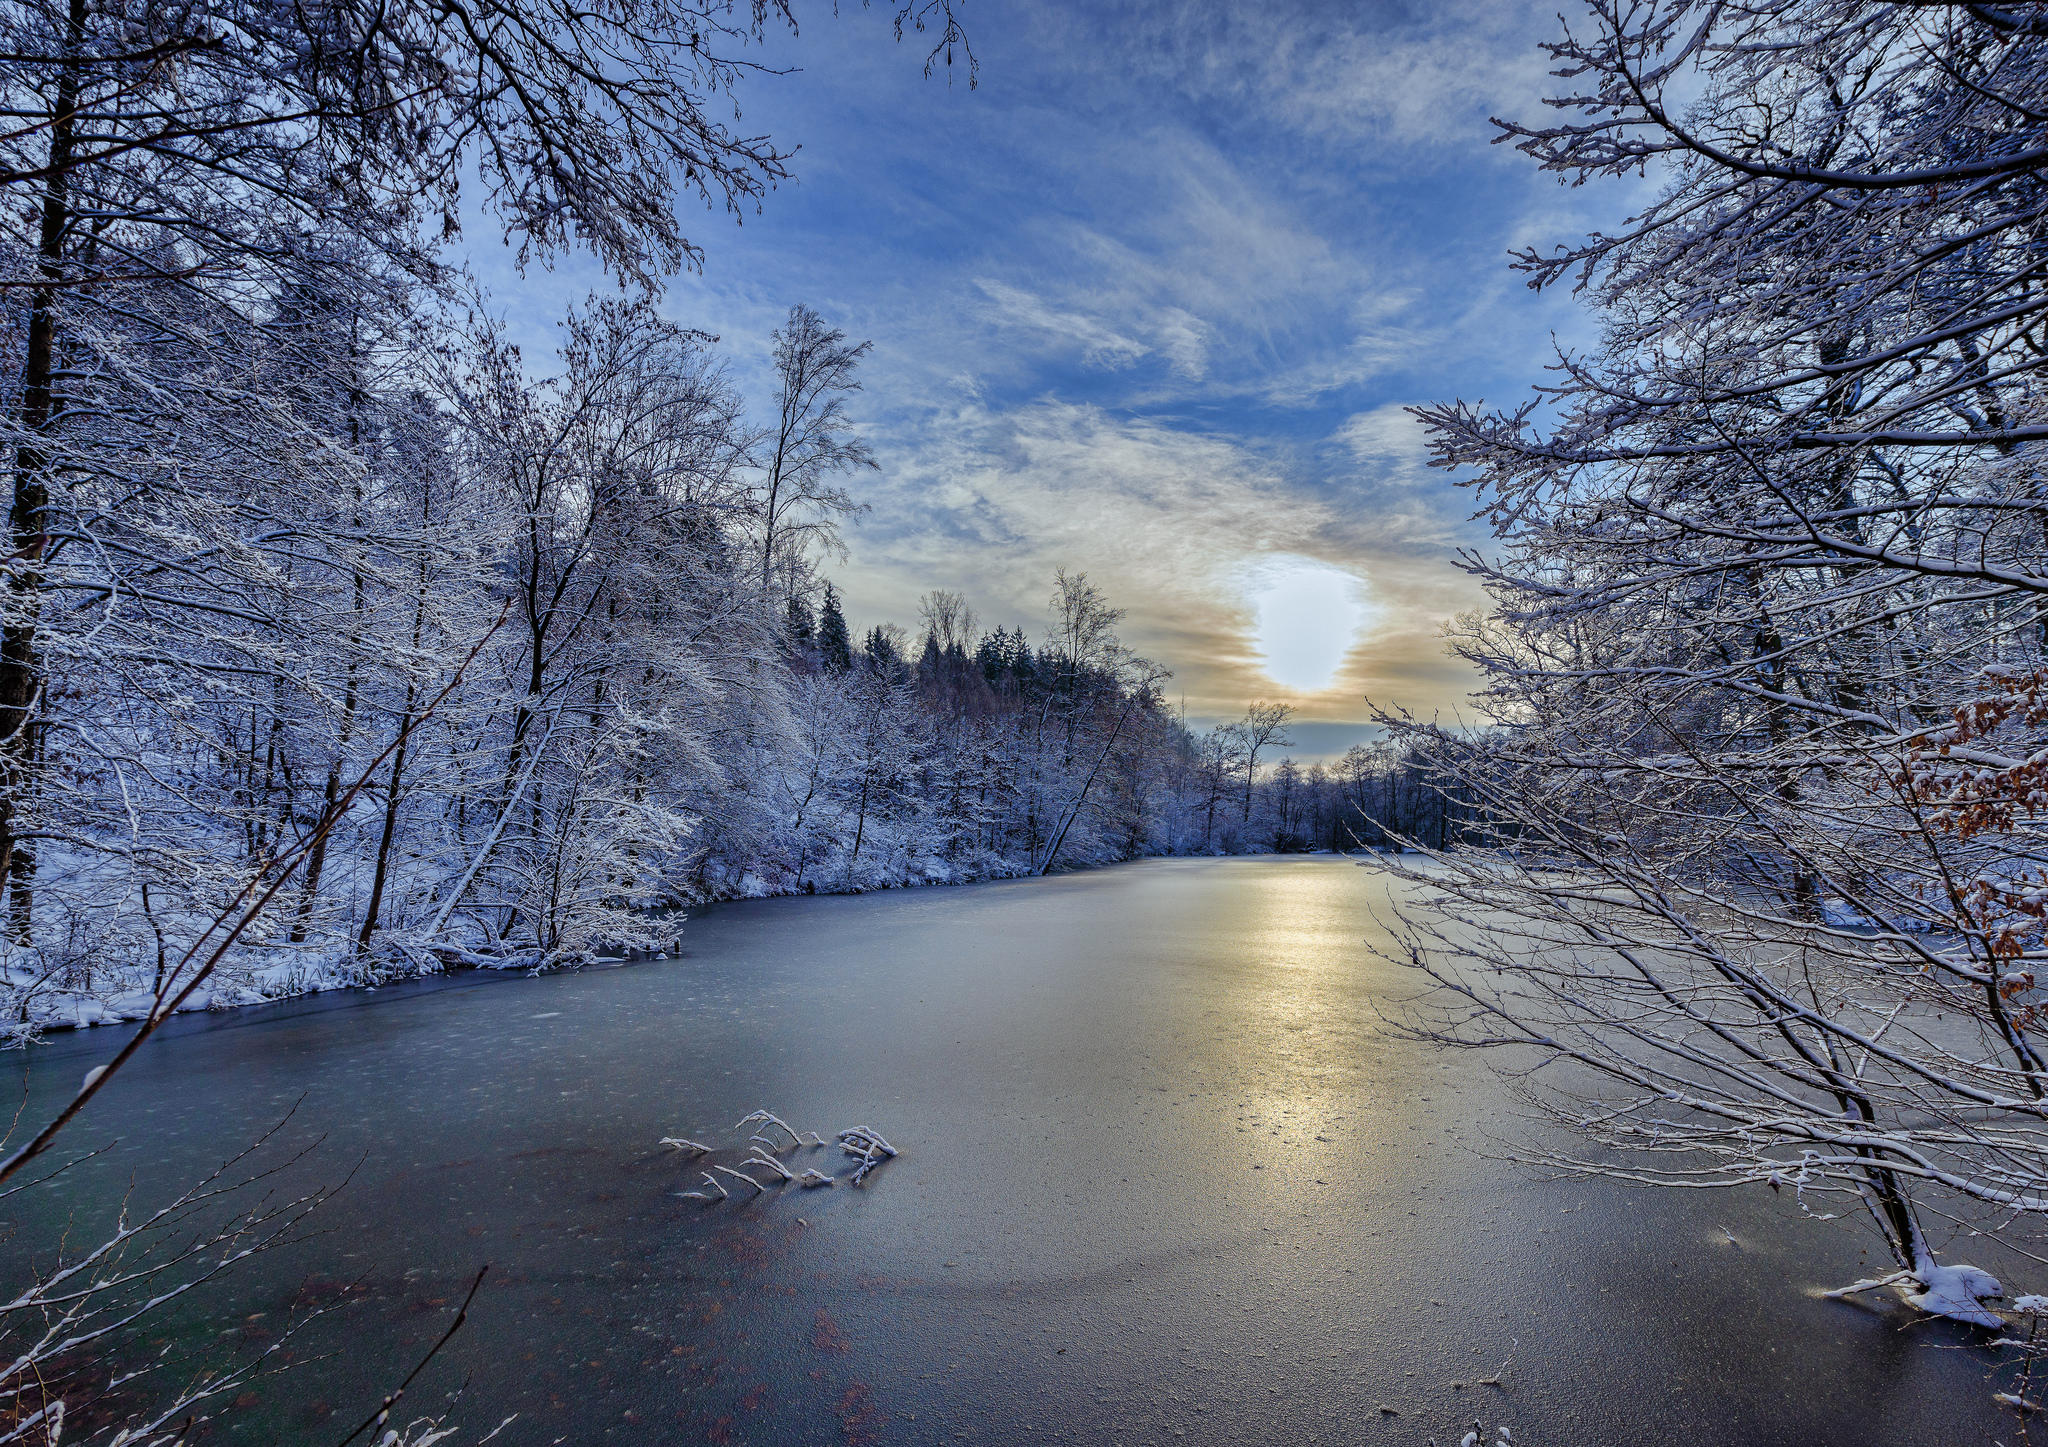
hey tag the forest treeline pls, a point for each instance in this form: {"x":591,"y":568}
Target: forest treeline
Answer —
{"x":538,"y":654}
{"x":515,"y":659}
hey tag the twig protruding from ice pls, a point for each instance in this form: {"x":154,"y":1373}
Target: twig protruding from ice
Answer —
{"x":762,"y":1158}
{"x":741,"y":1176}
{"x":863,"y":1139}
{"x":768,"y":1118}
{"x":867,"y":1144}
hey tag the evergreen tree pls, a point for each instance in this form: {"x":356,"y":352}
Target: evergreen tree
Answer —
{"x":989,"y":654}
{"x":835,"y":648}
{"x":881,"y":650}
{"x":798,"y":624}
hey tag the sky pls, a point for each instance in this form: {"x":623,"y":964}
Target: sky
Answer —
{"x":1148,"y":303}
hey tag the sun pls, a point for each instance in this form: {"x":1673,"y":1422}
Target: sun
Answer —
{"x":1305,"y":615}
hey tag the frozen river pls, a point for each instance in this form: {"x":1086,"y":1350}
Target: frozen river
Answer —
{"x":1167,"y":1176}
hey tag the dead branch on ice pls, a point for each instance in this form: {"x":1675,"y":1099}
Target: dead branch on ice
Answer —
{"x":759,"y":1189}
{"x":862,"y":1140}
{"x":865,"y":1144}
{"x":767,"y":1118}
{"x":868,"y":1145}
{"x":762,"y":1158}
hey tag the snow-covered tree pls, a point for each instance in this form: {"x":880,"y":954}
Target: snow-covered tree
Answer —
{"x":1769,"y":593}
{"x":811,"y":441}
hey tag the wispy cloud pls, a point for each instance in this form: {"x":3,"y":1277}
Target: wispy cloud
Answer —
{"x":1099,"y":345}
{"x":1150,"y":302}
{"x":1168,"y":521}
{"x":1389,"y":443}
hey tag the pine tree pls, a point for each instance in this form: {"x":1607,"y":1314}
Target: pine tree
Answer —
{"x":882,"y":653}
{"x":835,"y":648}
{"x":798,"y":624}
{"x":988,"y":655}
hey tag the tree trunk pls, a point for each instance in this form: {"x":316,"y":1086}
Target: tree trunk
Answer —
{"x":316,"y":862}
{"x":381,"y":871}
{"x":21,"y":667}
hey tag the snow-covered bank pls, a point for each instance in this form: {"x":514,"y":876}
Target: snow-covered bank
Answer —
{"x":115,"y":995}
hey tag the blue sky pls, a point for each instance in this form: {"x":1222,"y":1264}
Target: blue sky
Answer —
{"x":1147,"y":304}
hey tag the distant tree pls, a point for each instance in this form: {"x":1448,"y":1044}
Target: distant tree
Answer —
{"x":1221,"y":756}
{"x":1361,"y":778}
{"x":990,"y":655}
{"x":1006,"y":654}
{"x":1094,"y":686}
{"x":835,"y":647}
{"x":1263,"y":726}
{"x":883,"y":648}
{"x":881,"y":746}
{"x":812,"y":440}
{"x":1287,"y":786}
{"x":947,"y":619}
{"x":1318,"y":789}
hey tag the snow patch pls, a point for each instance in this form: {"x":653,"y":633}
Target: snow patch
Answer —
{"x":1956,"y":1292}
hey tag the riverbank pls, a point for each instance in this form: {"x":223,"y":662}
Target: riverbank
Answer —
{"x":114,"y":992}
